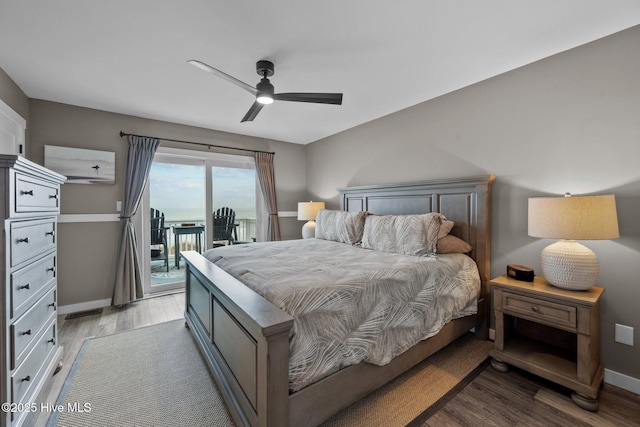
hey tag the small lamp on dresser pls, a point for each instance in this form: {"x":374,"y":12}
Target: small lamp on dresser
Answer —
{"x":568,"y":264}
{"x":307,"y":211}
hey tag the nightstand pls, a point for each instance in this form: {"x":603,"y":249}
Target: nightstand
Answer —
{"x":551,"y":332}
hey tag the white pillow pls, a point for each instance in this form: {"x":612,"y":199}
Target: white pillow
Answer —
{"x":402,"y":234}
{"x":340,"y":226}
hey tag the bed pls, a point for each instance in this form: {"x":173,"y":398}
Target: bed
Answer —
{"x":245,"y":338}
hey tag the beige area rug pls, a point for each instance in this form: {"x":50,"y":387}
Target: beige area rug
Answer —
{"x":155,"y":376}
{"x":412,"y":398}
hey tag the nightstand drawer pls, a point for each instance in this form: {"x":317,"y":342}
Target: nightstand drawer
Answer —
{"x":541,"y":311}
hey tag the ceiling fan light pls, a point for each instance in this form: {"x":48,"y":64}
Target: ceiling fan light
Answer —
{"x":265,"y":92}
{"x":264,"y":99}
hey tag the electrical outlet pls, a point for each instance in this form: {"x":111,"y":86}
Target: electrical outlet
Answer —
{"x":624,"y":334}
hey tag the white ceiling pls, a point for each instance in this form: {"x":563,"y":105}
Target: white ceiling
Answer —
{"x":130,"y":56}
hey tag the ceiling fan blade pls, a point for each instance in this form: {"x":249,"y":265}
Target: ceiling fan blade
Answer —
{"x":225,"y":76}
{"x":318,"y":98}
{"x":253,"y":112}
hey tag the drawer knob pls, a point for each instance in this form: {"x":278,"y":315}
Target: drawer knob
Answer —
{"x":27,"y":378}
{"x":27,"y":193}
{"x":27,"y":332}
{"x":53,"y":304}
{"x":50,"y":233}
{"x":53,"y":196}
{"x":27,"y":286}
{"x":25,"y":240}
{"x":51,"y":269}
{"x":534,"y":308}
{"x":52,"y":341}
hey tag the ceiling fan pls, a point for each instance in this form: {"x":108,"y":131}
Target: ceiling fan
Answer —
{"x":264,"y":91}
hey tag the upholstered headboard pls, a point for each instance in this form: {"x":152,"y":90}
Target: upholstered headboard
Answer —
{"x":466,"y":201}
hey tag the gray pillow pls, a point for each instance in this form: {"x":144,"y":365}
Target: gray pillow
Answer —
{"x":340,"y":226}
{"x":402,"y":234}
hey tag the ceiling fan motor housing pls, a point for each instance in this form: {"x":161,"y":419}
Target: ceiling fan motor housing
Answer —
{"x":264,"y":68}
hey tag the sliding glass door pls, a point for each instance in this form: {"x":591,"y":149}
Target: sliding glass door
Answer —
{"x":181,"y":209}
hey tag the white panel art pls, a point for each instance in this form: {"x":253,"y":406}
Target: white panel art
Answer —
{"x":81,"y":166}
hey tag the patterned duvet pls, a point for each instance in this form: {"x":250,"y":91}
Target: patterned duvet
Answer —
{"x":351,"y":304}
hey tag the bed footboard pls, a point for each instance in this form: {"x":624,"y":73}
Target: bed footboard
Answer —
{"x":244,"y":339}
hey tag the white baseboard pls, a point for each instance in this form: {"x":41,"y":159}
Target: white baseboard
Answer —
{"x":83,"y":306}
{"x":621,"y":380}
{"x":610,"y":377}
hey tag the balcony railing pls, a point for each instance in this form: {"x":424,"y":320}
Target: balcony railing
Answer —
{"x":246,"y":231}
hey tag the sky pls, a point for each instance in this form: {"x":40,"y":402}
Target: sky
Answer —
{"x":178,"y":190}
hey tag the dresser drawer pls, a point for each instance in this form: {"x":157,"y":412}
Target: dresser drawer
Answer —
{"x":28,"y":282}
{"x":540,"y":311}
{"x":29,"y":372}
{"x":29,"y":325}
{"x":34,"y":195}
{"x":31,"y":238}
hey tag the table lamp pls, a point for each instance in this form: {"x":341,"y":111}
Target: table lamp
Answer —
{"x":307,"y":211}
{"x":568,"y":264}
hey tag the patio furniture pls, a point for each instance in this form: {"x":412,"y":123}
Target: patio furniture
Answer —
{"x":224,"y":226}
{"x":159,"y":237}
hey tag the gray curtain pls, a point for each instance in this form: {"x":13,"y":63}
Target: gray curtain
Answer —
{"x":266,"y":177}
{"x":128,"y":286}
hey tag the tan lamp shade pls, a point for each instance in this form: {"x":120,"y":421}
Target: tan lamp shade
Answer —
{"x":307,"y":211}
{"x":568,"y":264}
{"x":574,"y":218}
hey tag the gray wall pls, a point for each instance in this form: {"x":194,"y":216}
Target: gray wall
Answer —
{"x":87,"y":251}
{"x":568,"y":123}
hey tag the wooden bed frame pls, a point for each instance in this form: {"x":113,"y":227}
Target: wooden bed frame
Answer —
{"x":245,"y":339}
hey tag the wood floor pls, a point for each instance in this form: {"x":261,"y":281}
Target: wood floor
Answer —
{"x":491,"y":399}
{"x":519,"y":399}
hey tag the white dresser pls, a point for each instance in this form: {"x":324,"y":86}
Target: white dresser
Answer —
{"x":29,"y":205}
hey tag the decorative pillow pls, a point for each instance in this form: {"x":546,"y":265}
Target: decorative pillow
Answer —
{"x":340,"y":226}
{"x":445,"y":228}
{"x":452,"y":245}
{"x":402,"y":234}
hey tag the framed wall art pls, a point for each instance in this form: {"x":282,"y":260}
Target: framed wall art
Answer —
{"x":81,"y":166}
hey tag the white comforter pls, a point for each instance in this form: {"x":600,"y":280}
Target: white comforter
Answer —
{"x":351,"y":304}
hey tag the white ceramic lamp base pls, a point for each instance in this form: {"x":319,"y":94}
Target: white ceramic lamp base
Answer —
{"x":309,"y":230}
{"x":569,"y":265}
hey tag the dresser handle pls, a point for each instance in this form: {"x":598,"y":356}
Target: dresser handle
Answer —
{"x":53,"y":304}
{"x":25,"y":240}
{"x":50,"y":233}
{"x":52,"y":341}
{"x":51,"y":269}
{"x":27,"y":193}
{"x":27,"y":286}
{"x":534,"y":308}
{"x":27,"y":378}
{"x":27,"y":332}
{"x":53,"y":196}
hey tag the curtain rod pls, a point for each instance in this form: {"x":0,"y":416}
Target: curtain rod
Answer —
{"x":199,"y":143}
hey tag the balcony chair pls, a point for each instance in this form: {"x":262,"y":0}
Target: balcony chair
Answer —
{"x":224,"y":226}
{"x":159,"y":237}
